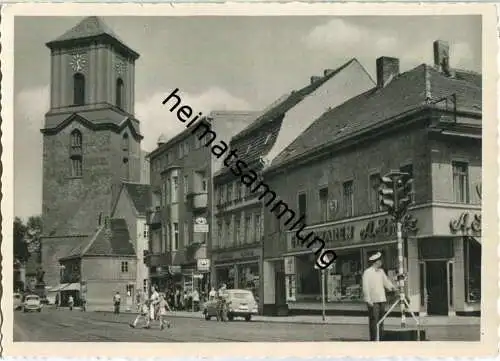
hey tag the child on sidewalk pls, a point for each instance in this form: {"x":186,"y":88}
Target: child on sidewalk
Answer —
{"x":163,"y":307}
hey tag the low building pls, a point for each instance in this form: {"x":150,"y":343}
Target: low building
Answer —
{"x":237,"y":240}
{"x":99,"y":267}
{"x":131,"y":205}
{"x":425,"y":122}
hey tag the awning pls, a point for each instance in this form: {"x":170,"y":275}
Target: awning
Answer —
{"x":66,"y":287}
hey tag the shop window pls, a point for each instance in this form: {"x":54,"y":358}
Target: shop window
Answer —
{"x":344,"y":281}
{"x":460,"y":182}
{"x":248,"y":278}
{"x":302,"y":200}
{"x":374,"y":189}
{"x":124,"y":267}
{"x":323,"y":204}
{"x":348,"y":198}
{"x":472,"y":258}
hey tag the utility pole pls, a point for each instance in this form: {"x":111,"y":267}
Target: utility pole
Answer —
{"x":395,"y":197}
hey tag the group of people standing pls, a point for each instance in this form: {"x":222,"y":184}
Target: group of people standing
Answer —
{"x":152,"y":309}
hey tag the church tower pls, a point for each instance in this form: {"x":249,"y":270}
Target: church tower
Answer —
{"x":91,"y":139}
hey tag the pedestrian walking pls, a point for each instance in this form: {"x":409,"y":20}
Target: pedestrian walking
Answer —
{"x":155,"y":299}
{"x":84,"y":302}
{"x":116,"y":302}
{"x":57,"y":301}
{"x":196,"y":300}
{"x":375,"y":282}
{"x":70,"y":302}
{"x":212,"y":294}
{"x":144,"y":314}
{"x":163,"y":307}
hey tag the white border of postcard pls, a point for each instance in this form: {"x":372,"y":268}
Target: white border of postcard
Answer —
{"x":489,"y":324}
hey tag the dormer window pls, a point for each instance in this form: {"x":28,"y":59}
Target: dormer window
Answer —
{"x":120,"y":94}
{"x":78,"y":89}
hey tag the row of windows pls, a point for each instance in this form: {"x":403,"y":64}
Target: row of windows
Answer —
{"x":238,"y":230}
{"x":180,"y":151}
{"x":170,"y":187}
{"x":330,"y":208}
{"x":231,"y":192}
{"x":79,"y":91}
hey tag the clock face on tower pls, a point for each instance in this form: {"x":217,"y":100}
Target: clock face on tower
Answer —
{"x":78,"y":62}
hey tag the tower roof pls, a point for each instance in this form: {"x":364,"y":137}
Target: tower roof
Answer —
{"x":90,"y":28}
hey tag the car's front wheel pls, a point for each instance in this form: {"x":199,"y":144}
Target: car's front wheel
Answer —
{"x":248,"y":318}
{"x":39,"y":310}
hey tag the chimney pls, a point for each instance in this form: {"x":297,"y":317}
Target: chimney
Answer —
{"x":328,"y":72}
{"x":314,"y":79}
{"x":442,"y":56}
{"x":387,"y":68}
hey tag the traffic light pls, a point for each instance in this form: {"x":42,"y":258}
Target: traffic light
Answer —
{"x":404,"y":189}
{"x":386,"y":194}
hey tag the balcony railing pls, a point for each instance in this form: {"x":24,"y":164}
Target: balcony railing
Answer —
{"x":199,"y":200}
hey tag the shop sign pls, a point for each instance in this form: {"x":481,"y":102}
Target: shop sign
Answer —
{"x":466,"y":224}
{"x":203,"y":265}
{"x":200,"y":225}
{"x":290,"y":265}
{"x":356,"y":232}
{"x":235,"y":255}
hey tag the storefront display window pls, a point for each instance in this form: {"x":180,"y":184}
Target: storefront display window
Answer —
{"x":225,"y":275}
{"x":248,"y":277}
{"x":344,"y":279}
{"x":472,"y":257}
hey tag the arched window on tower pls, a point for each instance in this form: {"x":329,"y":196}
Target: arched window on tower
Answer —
{"x":76,"y":153}
{"x":120,"y":93}
{"x":78,"y":89}
{"x":125,"y":158}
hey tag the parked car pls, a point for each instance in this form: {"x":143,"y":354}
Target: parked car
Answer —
{"x":241,"y":303}
{"x":32,"y":303}
{"x":18,"y":301}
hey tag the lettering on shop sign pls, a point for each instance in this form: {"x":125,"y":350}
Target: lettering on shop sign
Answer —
{"x":465,"y":223}
{"x":383,"y":227}
{"x":343,"y":233}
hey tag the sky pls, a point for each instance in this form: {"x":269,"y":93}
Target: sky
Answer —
{"x":220,"y":63}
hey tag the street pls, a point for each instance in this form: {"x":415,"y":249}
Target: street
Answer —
{"x":75,"y":326}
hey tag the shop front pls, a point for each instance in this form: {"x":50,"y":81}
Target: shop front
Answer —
{"x":441,"y":256}
{"x":238,"y":269}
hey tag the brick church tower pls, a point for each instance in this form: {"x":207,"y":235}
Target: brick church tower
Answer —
{"x":91,"y":139}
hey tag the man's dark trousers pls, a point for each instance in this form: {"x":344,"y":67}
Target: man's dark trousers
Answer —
{"x":375,"y":313}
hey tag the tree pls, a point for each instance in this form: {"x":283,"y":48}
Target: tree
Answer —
{"x":21,"y":252}
{"x":34,"y":230}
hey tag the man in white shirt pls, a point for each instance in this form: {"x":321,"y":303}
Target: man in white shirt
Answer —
{"x":375,"y":282}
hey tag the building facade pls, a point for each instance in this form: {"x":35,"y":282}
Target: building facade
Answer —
{"x":91,"y":139}
{"x":131,"y":205}
{"x":178,"y":221}
{"x":237,"y":246}
{"x":425,"y":122}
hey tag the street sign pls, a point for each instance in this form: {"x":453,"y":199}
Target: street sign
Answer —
{"x":203,"y":265}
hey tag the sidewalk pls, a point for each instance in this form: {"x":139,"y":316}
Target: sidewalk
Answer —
{"x":428,"y":321}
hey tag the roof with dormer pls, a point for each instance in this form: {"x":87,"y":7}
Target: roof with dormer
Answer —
{"x":91,"y":27}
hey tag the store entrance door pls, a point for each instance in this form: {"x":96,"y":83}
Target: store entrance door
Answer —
{"x":437,"y":287}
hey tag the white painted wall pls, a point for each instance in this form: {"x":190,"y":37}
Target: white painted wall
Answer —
{"x":349,"y":82}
